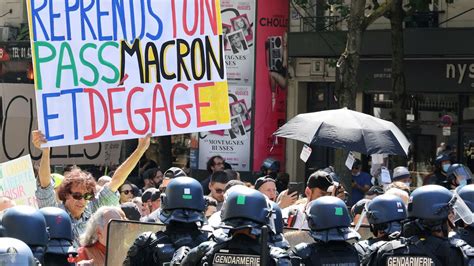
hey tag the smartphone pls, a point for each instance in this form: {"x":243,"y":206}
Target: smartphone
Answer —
{"x":296,"y":186}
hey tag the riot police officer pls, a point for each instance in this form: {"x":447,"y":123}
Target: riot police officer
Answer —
{"x":425,"y":232}
{"x":28,"y":225}
{"x":15,"y":252}
{"x":329,"y":222}
{"x":246,"y":212}
{"x":60,"y":246}
{"x":458,"y":176}
{"x":385,"y":214}
{"x":462,"y":236}
{"x":183,"y":208}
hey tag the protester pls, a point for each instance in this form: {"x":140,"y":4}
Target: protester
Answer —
{"x":361,"y":182}
{"x":317,"y":186}
{"x":77,"y":192}
{"x":152,"y":178}
{"x":399,"y":193}
{"x":94,"y":240}
{"x":215,"y":163}
{"x":218,"y":182}
{"x":400,"y":185}
{"x":143,"y":208}
{"x":267,"y":186}
{"x":126,"y":192}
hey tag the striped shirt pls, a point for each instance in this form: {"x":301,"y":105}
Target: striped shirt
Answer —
{"x":46,"y":198}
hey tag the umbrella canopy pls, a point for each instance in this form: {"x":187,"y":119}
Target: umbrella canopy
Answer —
{"x":346,"y":129}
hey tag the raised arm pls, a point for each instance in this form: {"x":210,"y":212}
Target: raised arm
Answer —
{"x":44,"y":172}
{"x":127,"y":166}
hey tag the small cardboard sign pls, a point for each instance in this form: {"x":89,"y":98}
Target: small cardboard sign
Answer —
{"x":385,"y":176}
{"x":350,"y":160}
{"x":305,"y":153}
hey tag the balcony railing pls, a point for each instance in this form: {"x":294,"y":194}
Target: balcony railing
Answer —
{"x":323,"y":23}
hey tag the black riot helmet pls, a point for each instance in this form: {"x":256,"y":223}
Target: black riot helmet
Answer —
{"x":328,"y":219}
{"x":27,"y":224}
{"x":59,"y":230}
{"x":467,"y":194}
{"x":386,"y":208}
{"x":385,"y":213}
{"x":430,"y":202}
{"x":245,"y":207}
{"x":15,"y":252}
{"x":459,"y":175}
{"x":183,"y":201}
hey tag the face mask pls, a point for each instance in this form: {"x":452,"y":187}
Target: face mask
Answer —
{"x":408,"y":184}
{"x":446,"y":167}
{"x":356,"y":174}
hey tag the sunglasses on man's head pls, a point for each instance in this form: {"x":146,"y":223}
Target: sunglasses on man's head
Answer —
{"x":79,"y":196}
{"x":126,"y":191}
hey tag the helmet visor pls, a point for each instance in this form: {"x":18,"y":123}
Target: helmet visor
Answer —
{"x":461,"y":210}
{"x":463,"y":175}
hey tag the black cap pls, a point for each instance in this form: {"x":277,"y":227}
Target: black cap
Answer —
{"x":131,"y":211}
{"x":149,"y":194}
{"x":262,"y":180}
{"x":320,"y":179}
{"x":375,"y":190}
{"x":174,"y":172}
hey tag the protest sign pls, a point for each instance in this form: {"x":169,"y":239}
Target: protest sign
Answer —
{"x":110,"y":70}
{"x":17,"y":116}
{"x":17,"y":181}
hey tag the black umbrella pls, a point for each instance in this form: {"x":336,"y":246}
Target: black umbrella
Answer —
{"x":346,"y":129}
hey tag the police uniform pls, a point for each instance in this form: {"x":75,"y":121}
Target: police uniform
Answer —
{"x":384,"y":214}
{"x":329,"y":221}
{"x":462,"y":238}
{"x":429,"y":251}
{"x":182,"y":209}
{"x":158,"y":248}
{"x":245,"y":212}
{"x":428,"y":212}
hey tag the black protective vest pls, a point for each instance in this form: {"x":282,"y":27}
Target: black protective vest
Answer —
{"x":242,"y":250}
{"x":158,"y":248}
{"x":332,"y":253}
{"x":466,"y":250}
{"x":432,"y":251}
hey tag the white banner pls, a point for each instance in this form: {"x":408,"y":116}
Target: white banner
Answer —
{"x":113,"y":71}
{"x":18,"y":118}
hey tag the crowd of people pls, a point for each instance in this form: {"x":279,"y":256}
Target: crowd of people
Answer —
{"x":224,"y":220}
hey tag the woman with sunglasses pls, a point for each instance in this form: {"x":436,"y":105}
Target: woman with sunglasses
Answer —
{"x":126,"y":192}
{"x":77,"y":193}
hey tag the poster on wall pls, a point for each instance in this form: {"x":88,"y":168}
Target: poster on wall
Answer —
{"x":271,"y":80}
{"x":115,"y":71}
{"x":238,"y":32}
{"x":18,"y":118}
{"x":232,"y":144}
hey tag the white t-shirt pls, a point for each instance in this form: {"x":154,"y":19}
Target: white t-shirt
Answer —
{"x":299,"y":212}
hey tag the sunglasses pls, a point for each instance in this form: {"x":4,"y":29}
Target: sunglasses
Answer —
{"x":126,"y":191}
{"x":79,"y":196}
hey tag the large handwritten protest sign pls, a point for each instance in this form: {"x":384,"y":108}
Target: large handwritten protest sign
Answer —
{"x":17,"y":181}
{"x":114,"y":69}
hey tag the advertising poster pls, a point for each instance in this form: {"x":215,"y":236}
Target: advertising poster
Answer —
{"x":18,"y":118}
{"x":116,"y":70}
{"x":238,"y":31}
{"x":232,"y":144}
{"x":271,"y":80}
{"x":17,"y":181}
